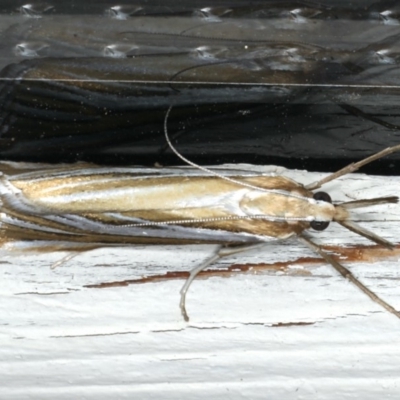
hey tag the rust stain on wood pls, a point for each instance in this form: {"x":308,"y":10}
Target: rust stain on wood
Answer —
{"x":287,"y":324}
{"x":368,"y":254}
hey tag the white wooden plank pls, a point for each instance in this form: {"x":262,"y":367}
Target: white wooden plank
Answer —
{"x":288,"y":332}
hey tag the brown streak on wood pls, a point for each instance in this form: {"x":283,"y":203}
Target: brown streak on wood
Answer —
{"x":286,"y":324}
{"x":369,"y":254}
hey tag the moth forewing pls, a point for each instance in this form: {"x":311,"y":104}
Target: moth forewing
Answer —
{"x":115,"y":205}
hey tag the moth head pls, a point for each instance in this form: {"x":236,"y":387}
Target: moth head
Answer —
{"x":321,"y":225}
{"x":342,"y":216}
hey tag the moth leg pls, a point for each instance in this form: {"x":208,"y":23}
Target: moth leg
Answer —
{"x":220,"y":253}
{"x":65,"y":259}
{"x":348,"y":275}
{"x":353,"y":167}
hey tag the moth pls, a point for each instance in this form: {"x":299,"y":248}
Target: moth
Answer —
{"x":87,"y":206}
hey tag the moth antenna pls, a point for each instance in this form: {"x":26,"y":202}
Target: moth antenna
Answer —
{"x":368,"y":202}
{"x":352,"y":226}
{"x":348,"y":275}
{"x":214,"y":173}
{"x":352,"y":167}
{"x":215,"y":219}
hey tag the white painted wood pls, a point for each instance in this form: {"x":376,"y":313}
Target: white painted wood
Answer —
{"x":303,"y":332}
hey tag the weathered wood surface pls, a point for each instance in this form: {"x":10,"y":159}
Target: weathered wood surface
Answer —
{"x":276,"y":323}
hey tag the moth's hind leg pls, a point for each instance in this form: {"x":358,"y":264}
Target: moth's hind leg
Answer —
{"x":220,"y":253}
{"x":71,"y":248}
{"x":65,"y":259}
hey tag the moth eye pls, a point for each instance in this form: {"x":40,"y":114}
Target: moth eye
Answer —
{"x":323,"y":196}
{"x":319,"y":225}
